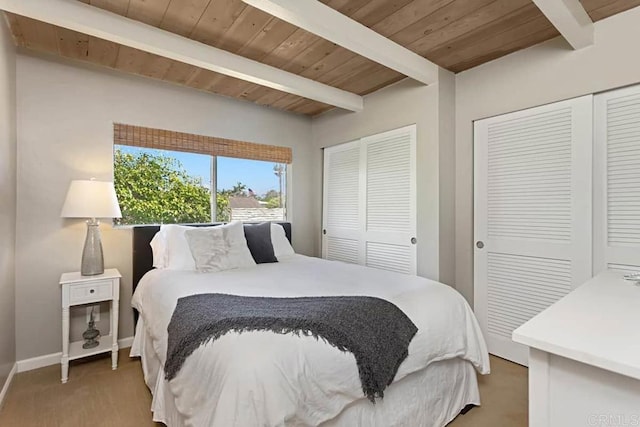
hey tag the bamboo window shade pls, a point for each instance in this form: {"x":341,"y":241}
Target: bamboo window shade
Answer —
{"x":139,"y":136}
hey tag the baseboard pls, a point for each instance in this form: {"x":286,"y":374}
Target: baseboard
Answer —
{"x":7,"y":383}
{"x":125,"y":342}
{"x":54,"y":358}
{"x":38,"y":362}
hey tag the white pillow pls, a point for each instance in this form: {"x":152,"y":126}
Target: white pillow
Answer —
{"x":281,"y":247}
{"x":219,"y":248}
{"x":159,"y":250}
{"x":178,"y":253}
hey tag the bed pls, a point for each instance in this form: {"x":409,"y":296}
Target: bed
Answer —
{"x":261,"y":378}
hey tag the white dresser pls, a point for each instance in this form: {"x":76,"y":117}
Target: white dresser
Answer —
{"x":584,"y":357}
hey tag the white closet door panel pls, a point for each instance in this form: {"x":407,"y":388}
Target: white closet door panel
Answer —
{"x":529,"y":192}
{"x":531,"y":248}
{"x":389,"y":257}
{"x":519,"y":288}
{"x":389,"y":195}
{"x":617,"y":169}
{"x":343,"y":186}
{"x":342,"y":229}
{"x":624,"y":268}
{"x":341,"y":249}
{"x":390,"y":200}
{"x":533,"y":215}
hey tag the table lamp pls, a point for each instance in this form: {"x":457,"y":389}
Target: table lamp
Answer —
{"x":91,"y":199}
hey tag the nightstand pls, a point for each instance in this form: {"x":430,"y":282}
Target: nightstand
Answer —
{"x":80,"y":290}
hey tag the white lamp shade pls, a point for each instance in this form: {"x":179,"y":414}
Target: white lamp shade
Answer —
{"x":91,"y":199}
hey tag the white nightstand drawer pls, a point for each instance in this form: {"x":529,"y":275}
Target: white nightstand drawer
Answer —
{"x":99,"y":290}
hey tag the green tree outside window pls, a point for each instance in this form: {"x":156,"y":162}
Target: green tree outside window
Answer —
{"x":155,"y":189}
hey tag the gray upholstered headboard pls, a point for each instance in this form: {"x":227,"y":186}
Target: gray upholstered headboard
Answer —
{"x":143,"y":257}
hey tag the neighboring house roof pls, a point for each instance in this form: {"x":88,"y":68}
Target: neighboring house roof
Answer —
{"x":243,"y":202}
{"x":253,"y":214}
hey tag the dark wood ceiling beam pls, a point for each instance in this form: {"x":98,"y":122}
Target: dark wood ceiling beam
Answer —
{"x":102,"y":52}
{"x":131,"y":60}
{"x":502,"y":43}
{"x":149,"y":12}
{"x":511,"y":47}
{"x":116,"y":6}
{"x":471,"y":40}
{"x":93,"y":21}
{"x":285,"y":57}
{"x":155,"y":67}
{"x":315,"y":52}
{"x":216,"y":20}
{"x":297,"y":52}
{"x":16,"y":31}
{"x":179,"y":72}
{"x":182,"y":16}
{"x":326,"y":54}
{"x":600,"y":9}
{"x":72,"y":44}
{"x":244,"y":29}
{"x":38,"y":36}
{"x":376,"y":10}
{"x":437,"y":20}
{"x":458,"y":34}
{"x":444,"y":11}
{"x":471,"y":26}
{"x":330,"y":24}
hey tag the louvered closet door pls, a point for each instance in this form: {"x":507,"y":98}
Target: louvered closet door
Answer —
{"x":342,"y":214}
{"x":390,"y":205}
{"x":617,"y":181}
{"x":369,"y":208}
{"x":532,"y":215}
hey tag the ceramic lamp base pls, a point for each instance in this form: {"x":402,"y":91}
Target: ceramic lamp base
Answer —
{"x":92,"y":258}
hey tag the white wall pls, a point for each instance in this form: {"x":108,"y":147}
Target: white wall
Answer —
{"x":7,"y":202}
{"x":404,"y":103}
{"x":65,"y":117}
{"x":542,"y":74}
{"x":447,"y":176}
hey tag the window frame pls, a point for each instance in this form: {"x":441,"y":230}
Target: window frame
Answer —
{"x":213,"y":187}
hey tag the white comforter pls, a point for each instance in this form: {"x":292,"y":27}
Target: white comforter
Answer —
{"x":267,"y":379}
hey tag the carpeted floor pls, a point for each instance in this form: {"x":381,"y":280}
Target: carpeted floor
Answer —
{"x":504,"y":395}
{"x":97,"y":396}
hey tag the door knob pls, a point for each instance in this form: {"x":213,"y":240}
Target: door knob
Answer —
{"x":414,"y":240}
{"x":324,"y":231}
{"x":480,"y":244}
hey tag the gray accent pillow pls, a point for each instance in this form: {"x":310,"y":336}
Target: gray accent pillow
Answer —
{"x":259,"y":241}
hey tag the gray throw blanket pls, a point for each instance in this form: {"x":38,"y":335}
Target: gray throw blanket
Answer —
{"x":377,"y":332}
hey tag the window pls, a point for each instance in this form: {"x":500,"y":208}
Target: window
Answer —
{"x":250,"y":190}
{"x":158,"y":186}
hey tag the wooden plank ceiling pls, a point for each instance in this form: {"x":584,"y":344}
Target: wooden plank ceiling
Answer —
{"x":455,"y":34}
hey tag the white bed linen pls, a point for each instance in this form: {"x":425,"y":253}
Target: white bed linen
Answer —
{"x":430,"y":397}
{"x":261,"y":378}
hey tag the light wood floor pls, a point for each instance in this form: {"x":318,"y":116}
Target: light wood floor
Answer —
{"x":97,"y":396}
